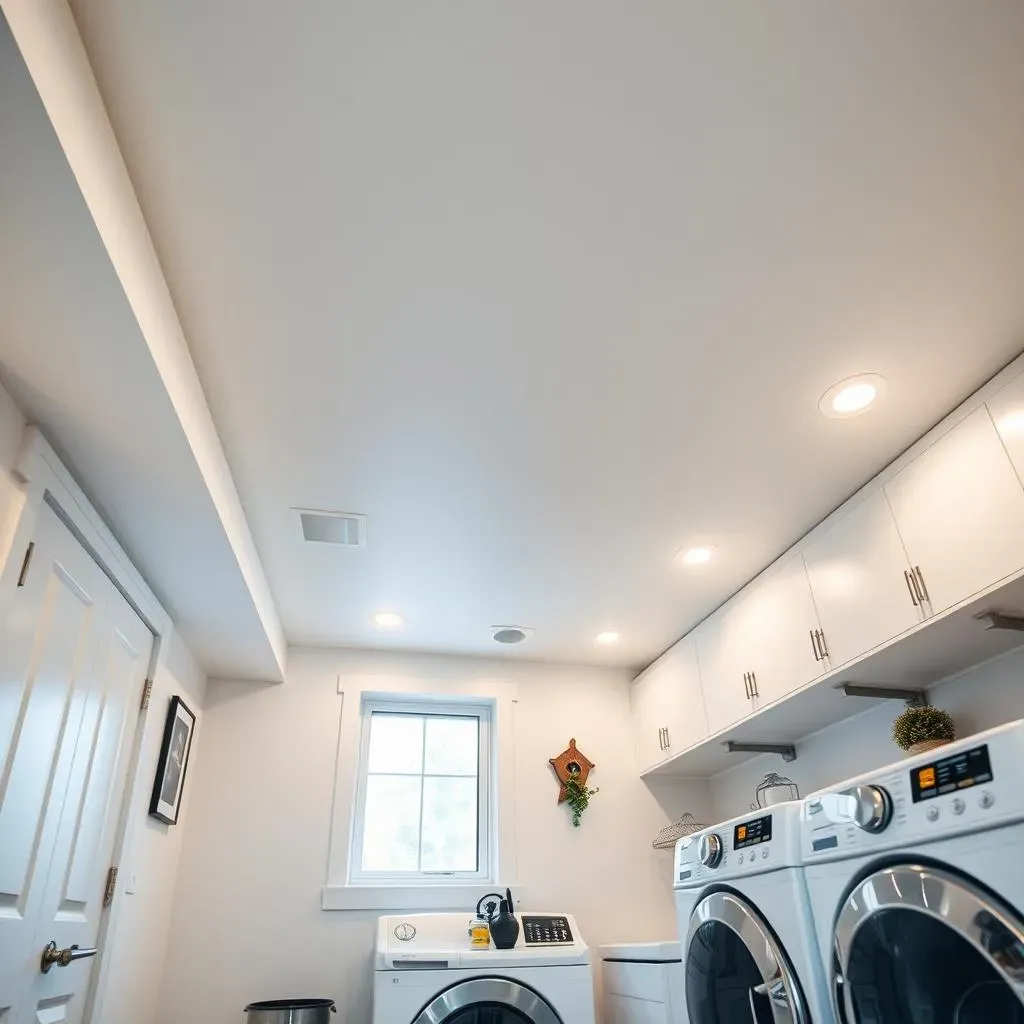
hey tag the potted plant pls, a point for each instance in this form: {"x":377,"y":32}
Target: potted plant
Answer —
{"x":922,"y":727}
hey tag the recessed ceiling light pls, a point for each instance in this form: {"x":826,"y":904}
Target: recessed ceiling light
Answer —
{"x":388,"y":620}
{"x":699,"y":555}
{"x":852,"y":396}
{"x":609,"y":636}
{"x":510,"y":634}
{"x":1011,"y":423}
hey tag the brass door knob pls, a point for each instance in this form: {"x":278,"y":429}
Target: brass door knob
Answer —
{"x":62,"y":957}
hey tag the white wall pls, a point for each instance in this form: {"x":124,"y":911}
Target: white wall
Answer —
{"x":12,"y":426}
{"x":987,"y":695}
{"x":135,"y":948}
{"x":247,"y":922}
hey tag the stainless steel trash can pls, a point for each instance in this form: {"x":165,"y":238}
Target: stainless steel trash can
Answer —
{"x":290,"y":1011}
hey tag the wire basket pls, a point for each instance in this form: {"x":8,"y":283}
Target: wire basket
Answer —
{"x":671,"y":834}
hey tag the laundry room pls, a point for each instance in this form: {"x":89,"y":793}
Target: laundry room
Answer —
{"x":511,"y":513}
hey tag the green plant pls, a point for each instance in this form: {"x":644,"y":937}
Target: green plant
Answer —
{"x":577,"y":796}
{"x":920,"y":723}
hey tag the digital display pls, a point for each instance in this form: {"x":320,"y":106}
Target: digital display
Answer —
{"x":751,"y":833}
{"x":948,"y":774}
{"x":546,"y":931}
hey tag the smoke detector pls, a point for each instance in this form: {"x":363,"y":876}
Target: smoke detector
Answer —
{"x":510,"y":634}
{"x":345,"y":529}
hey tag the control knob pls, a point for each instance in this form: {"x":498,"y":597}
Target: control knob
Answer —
{"x":709,"y":850}
{"x":872,"y":807}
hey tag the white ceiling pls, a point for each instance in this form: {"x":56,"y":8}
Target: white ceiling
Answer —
{"x":549,"y":290}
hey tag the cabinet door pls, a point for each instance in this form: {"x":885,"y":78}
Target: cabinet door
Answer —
{"x":777,"y":618}
{"x":723,"y":661}
{"x":856,"y":570}
{"x":959,"y":508}
{"x":648,"y":719}
{"x":679,"y":687}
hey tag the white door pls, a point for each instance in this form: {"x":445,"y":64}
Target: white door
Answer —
{"x":685,"y":719}
{"x":725,"y":664}
{"x":859,"y":578}
{"x":777,"y":621}
{"x":959,"y":508}
{"x":74,"y":658}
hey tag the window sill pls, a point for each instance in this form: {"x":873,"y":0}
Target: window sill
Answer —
{"x":408,"y":897}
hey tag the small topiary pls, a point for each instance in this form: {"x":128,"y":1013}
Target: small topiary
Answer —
{"x":922,"y":724}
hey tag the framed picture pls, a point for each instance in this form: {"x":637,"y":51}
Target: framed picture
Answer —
{"x":170,"y":771}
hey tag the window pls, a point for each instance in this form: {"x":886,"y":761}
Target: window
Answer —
{"x":423,"y":802}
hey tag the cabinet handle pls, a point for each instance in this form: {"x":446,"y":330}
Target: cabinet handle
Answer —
{"x":822,"y":644}
{"x":668,"y":739}
{"x":814,"y":644}
{"x":661,"y":738}
{"x":753,"y":685}
{"x":746,"y":685}
{"x":910,"y":587}
{"x":923,"y":589}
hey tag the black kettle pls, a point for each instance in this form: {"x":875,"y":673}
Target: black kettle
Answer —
{"x":505,"y":926}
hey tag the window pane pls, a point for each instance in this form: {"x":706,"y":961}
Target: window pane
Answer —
{"x":449,"y":824}
{"x":392,"y":823}
{"x":396,"y":744}
{"x":452,"y":746}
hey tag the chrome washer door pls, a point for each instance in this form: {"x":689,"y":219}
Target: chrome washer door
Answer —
{"x":736,"y":971}
{"x":920,"y":943}
{"x":488,"y":1001}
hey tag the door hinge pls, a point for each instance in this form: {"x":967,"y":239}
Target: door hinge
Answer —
{"x":147,"y":692}
{"x":25,"y":564}
{"x":108,"y":892}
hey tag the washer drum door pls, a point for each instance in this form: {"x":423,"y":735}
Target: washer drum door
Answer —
{"x":736,"y":970}
{"x":922,"y":943}
{"x":488,"y":1001}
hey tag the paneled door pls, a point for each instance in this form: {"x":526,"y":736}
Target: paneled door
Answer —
{"x":73,"y":662}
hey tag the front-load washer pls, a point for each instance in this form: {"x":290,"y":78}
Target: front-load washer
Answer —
{"x":749,"y":949}
{"x":916,"y":878}
{"x":426,"y":973}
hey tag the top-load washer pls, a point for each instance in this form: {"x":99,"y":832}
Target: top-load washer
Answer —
{"x":916,"y":878}
{"x":427,"y":973}
{"x":748,"y":944}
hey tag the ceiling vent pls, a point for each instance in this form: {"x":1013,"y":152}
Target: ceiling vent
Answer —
{"x":510,"y":634}
{"x":343,"y":528}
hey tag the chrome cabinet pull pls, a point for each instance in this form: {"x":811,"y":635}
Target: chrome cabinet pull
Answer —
{"x":753,"y":685}
{"x":668,"y":739}
{"x":814,"y":644}
{"x":661,"y":738}
{"x":910,"y":587}
{"x":923,"y":589}
{"x":746,"y":685}
{"x":822,"y":644}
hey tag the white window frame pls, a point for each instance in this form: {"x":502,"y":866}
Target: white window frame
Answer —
{"x":425,"y":708}
{"x":454,"y":681}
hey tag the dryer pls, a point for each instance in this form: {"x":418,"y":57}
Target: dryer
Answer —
{"x":916,"y":878}
{"x":749,"y":949}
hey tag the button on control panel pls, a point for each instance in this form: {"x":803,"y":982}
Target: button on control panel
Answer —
{"x":932,"y":814}
{"x":542,"y":931}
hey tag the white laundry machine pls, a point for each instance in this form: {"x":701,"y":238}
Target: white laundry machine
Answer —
{"x":916,"y":878}
{"x":425,"y":973}
{"x":749,"y":949}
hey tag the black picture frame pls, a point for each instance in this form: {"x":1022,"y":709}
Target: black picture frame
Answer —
{"x":172,"y":767}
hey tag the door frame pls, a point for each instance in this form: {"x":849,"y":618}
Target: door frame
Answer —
{"x":45,"y":480}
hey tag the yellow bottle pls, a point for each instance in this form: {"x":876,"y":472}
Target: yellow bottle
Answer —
{"x":479,"y":934}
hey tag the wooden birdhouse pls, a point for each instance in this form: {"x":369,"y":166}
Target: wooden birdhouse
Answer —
{"x":570,"y":763}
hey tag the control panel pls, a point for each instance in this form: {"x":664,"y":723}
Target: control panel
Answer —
{"x":960,"y":787}
{"x":743,"y":846}
{"x":546,"y":930}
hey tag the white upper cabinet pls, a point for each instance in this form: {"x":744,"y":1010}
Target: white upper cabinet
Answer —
{"x":724,"y":667}
{"x":759,"y":647}
{"x":778,"y":621}
{"x":859,"y":574}
{"x":668,"y":708}
{"x":1007,"y":409}
{"x":959,"y":508}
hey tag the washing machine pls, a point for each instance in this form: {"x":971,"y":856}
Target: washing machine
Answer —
{"x":749,"y":948}
{"x":425,"y":973}
{"x":916,"y":878}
